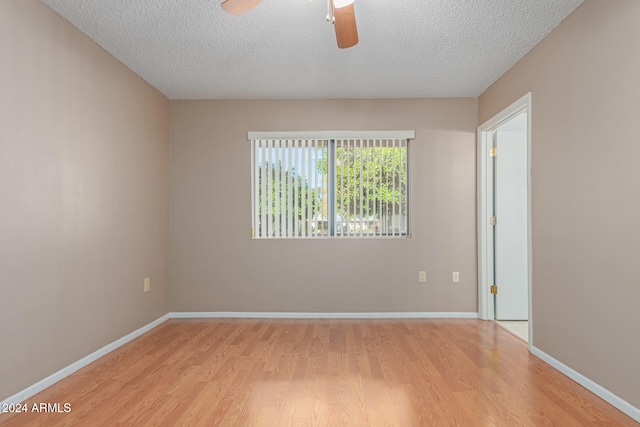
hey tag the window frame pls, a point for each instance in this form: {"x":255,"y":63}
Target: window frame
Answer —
{"x":331,"y":137}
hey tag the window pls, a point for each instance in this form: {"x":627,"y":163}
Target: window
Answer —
{"x":329,"y":184}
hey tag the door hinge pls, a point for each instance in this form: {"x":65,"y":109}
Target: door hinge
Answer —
{"x":492,"y":220}
{"x":493,"y":152}
{"x":494,"y":289}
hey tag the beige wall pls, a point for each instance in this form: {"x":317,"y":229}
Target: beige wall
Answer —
{"x":216,"y":266}
{"x":584,"y":79}
{"x":84,"y":147}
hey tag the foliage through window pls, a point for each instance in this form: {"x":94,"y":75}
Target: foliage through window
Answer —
{"x":330,"y":188}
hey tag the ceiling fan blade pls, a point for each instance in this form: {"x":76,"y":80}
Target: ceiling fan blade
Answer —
{"x":238,"y":7}
{"x":345,"y":25}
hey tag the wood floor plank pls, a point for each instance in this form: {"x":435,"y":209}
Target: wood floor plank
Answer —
{"x":257,"y":372}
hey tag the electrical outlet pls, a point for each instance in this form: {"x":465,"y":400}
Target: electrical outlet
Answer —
{"x":147,"y":284}
{"x":456,"y":277}
{"x":422,"y":276}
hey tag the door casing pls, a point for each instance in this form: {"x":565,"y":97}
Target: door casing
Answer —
{"x":485,"y":208}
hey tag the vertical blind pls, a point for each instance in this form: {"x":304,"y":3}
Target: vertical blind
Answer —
{"x":351,"y":187}
{"x":289,"y":188}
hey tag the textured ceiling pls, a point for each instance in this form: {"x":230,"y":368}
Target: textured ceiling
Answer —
{"x":285,"y":49}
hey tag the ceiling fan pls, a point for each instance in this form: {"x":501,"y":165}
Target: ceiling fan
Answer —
{"x":340,"y":12}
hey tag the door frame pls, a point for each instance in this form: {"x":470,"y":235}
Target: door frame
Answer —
{"x":486,"y":308}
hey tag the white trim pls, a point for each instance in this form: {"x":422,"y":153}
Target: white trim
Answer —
{"x":305,"y":315}
{"x":385,"y":134}
{"x":590,"y":385}
{"x":507,"y":114}
{"x":485,"y":191}
{"x":485,"y":237}
{"x":65,"y":372}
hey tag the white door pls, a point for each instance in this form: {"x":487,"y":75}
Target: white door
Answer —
{"x":510,"y":192}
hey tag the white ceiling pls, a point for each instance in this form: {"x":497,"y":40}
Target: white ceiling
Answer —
{"x":285,"y":49}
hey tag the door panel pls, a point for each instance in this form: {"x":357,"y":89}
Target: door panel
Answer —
{"x":511,"y":258}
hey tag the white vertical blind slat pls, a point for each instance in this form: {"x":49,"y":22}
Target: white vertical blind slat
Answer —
{"x":360,"y":184}
{"x":323,"y":184}
{"x":289,"y":190}
{"x":263,"y":198}
{"x":345,"y":201}
{"x":303,"y":196}
{"x":326,"y":205}
{"x":349,"y":192}
{"x":355,"y":189}
{"x":388,"y":162}
{"x":340,"y":225}
{"x":269,"y":188}
{"x":379,"y":186}
{"x":368,"y":186}
{"x":276,"y":188}
{"x":282,"y":191}
{"x":405,"y":172}
{"x":311,"y":182}
{"x":309,"y":186}
{"x":254,"y":190}
{"x":296,"y":183}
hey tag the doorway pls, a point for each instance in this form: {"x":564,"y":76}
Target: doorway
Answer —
{"x":504,"y":218}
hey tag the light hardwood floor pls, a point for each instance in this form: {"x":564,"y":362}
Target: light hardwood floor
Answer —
{"x":321,"y":373}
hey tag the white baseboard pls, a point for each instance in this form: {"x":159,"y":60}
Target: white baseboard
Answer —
{"x":65,"y":372}
{"x":590,"y":385}
{"x":305,"y":315}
